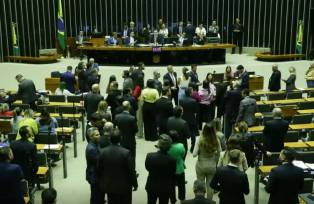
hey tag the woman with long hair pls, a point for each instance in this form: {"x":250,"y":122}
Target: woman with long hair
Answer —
{"x":207,"y":149}
{"x":228,"y":75}
{"x":112,"y":79}
{"x":183,"y":83}
{"x":103,"y":111}
{"x":17,"y":117}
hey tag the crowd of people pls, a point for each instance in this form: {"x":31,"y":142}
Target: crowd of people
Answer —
{"x":170,"y":112}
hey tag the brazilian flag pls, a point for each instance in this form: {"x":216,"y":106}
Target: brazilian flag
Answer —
{"x":299,"y":40}
{"x":61,"y":32}
{"x":16,"y":48}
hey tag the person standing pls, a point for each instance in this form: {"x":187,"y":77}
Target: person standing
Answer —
{"x":231,"y":183}
{"x":27,"y":91}
{"x":275,"y":79}
{"x":213,"y":29}
{"x":25,"y":153}
{"x":207,"y":150}
{"x":69,"y":79}
{"x":309,"y":76}
{"x":199,"y":189}
{"x":164,"y":110}
{"x":117,"y":172}
{"x":10,"y":177}
{"x":189,"y":33}
{"x":243,"y":77}
{"x":290,"y":81}
{"x":194,"y":75}
{"x":285,"y":181}
{"x":161,"y":169}
{"x":183,"y":83}
{"x":91,"y":101}
{"x":92,"y":153}
{"x":237,"y":35}
{"x":275,"y":132}
{"x":207,"y":97}
{"x":149,"y":97}
{"x":158,"y":84}
{"x":247,"y":109}
{"x":171,"y":78}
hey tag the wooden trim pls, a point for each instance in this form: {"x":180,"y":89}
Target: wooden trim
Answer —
{"x":268,"y":56}
{"x":35,"y":60}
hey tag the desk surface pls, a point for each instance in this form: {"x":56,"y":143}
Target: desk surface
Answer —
{"x":310,"y":143}
{"x":296,"y":144}
{"x":65,"y":130}
{"x":55,"y":103}
{"x":306,"y":111}
{"x":65,"y":115}
{"x":54,"y":147}
{"x":265,"y":169}
{"x":302,"y":126}
{"x":256,"y":128}
{"x":42,"y":170}
{"x":286,"y":101}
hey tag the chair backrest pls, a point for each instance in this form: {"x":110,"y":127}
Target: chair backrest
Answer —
{"x":256,"y":97}
{"x":292,"y":136}
{"x":294,"y":95}
{"x":50,"y":109}
{"x":24,"y":188}
{"x":75,"y":99}
{"x":46,"y":139}
{"x":265,"y":108}
{"x":41,"y":158}
{"x":277,"y":96}
{"x":64,"y":122}
{"x":306,"y":157}
{"x":21,"y":106}
{"x":218,"y":77}
{"x":306,"y":105}
{"x":67,"y":109}
{"x":310,"y":94}
{"x":267,"y":118}
{"x":307,"y":185}
{"x":273,"y":159}
{"x":311,"y":135}
{"x":302,"y":119}
{"x":5,"y":126}
{"x":56,"y":98}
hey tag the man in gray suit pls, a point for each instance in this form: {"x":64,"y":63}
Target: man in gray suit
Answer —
{"x":26,"y":91}
{"x":247,"y":108}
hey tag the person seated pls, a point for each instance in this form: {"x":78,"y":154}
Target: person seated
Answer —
{"x":200,"y":32}
{"x":61,"y":90}
{"x":125,"y":31}
{"x":182,"y":39}
{"x":5,"y":111}
{"x":146,"y":34}
{"x":6,"y":97}
{"x":132,"y":28}
{"x":309,"y":76}
{"x":46,"y":123}
{"x":130,"y":41}
{"x":49,"y":196}
{"x":113,"y":40}
{"x":17,"y":117}
{"x":163,"y":33}
{"x":80,"y":38}
{"x":28,"y":121}
{"x":213,"y":30}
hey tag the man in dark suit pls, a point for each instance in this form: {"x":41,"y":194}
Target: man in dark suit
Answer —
{"x":92,"y":78}
{"x":128,"y":128}
{"x":25,"y":155}
{"x":69,"y":79}
{"x":194,"y":75}
{"x":275,"y":79}
{"x":117,"y":172}
{"x":91,"y":101}
{"x":164,"y":110}
{"x":189,"y":33}
{"x":112,"y":97}
{"x":199,"y":189}
{"x":247,"y":109}
{"x":232,"y":101}
{"x":181,"y":126}
{"x":138,"y":75}
{"x":27,"y":91}
{"x":243,"y":77}
{"x":230,"y":181}
{"x":285,"y":181}
{"x":190,"y":111}
{"x":275,"y":131}
{"x":237,"y":35}
{"x":10,"y":177}
{"x":171,"y":78}
{"x":92,"y":155}
{"x":161,"y":169}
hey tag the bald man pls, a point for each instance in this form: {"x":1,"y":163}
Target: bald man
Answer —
{"x":275,"y":131}
{"x":91,"y":101}
{"x":127,"y":125}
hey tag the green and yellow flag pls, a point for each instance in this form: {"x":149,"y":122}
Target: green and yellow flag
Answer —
{"x":299,"y":41}
{"x":16,"y":48}
{"x":61,"y":31}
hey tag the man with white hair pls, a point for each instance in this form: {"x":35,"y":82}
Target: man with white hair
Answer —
{"x":27,"y":91}
{"x":93,"y":64}
{"x":275,"y":131}
{"x":158,"y":84}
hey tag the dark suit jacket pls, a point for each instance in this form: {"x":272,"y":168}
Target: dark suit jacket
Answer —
{"x":182,"y":127}
{"x":244,"y":80}
{"x":128,"y":129}
{"x":290,"y":82}
{"x":164,"y":110}
{"x":112,"y":100}
{"x":199,"y":200}
{"x":190,"y":33}
{"x":232,"y":184}
{"x":91,"y":103}
{"x":92,"y":155}
{"x":161,"y":169}
{"x":247,"y":111}
{"x":92,"y":79}
{"x":194,"y":77}
{"x":25,"y":155}
{"x":116,"y":170}
{"x":190,"y":110}
{"x":168,"y":78}
{"x":284,"y":184}
{"x":10,"y":180}
{"x":27,"y":91}
{"x":274,"y":134}
{"x":69,"y":79}
{"x":232,"y":103}
{"x":274,"y":81}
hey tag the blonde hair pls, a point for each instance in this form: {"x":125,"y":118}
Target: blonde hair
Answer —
{"x":102,"y":106}
{"x":292,"y":70}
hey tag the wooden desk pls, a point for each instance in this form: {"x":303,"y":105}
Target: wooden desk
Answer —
{"x":68,"y":132}
{"x":256,"y":82}
{"x":55,"y":104}
{"x":256,"y":129}
{"x":302,"y":126}
{"x":53,"y":147}
{"x":306,"y":111}
{"x":42,"y":170}
{"x":65,"y":115}
{"x":310,"y":143}
{"x":296,"y":145}
{"x":265,"y":169}
{"x":286,"y":101}
{"x":310,"y":99}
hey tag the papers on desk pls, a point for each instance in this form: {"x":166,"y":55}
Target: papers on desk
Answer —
{"x":143,"y":45}
{"x":52,"y":146}
{"x":303,"y":165}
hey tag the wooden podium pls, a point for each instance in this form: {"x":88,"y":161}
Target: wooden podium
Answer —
{"x":256,"y":82}
{"x":52,"y":84}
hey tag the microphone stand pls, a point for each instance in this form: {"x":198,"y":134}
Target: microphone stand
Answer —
{"x":49,"y":159}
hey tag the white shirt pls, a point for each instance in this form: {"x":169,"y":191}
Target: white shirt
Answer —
{"x":132,"y":41}
{"x":65,"y":92}
{"x":200,"y":31}
{"x":164,"y":32}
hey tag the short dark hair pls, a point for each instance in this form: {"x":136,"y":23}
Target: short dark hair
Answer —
{"x":69,"y":68}
{"x":115,"y":137}
{"x":150,"y":83}
{"x":164,"y":90}
{"x":246,"y":92}
{"x":205,"y":84}
{"x":24,"y":132}
{"x":95,"y":117}
{"x":49,"y":196}
{"x":234,"y":156}
{"x":289,"y":154}
{"x":174,"y":135}
{"x":4,"y":152}
{"x":177,"y":111}
{"x":240,"y":67}
{"x":199,"y":186}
